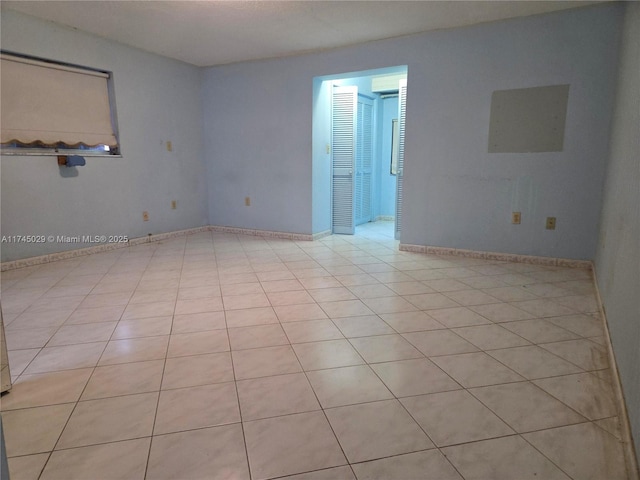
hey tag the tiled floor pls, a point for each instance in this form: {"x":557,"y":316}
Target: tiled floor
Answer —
{"x":226,"y":356}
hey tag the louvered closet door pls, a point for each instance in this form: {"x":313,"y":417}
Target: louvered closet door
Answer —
{"x":364,"y":159}
{"x":402,"y":115}
{"x":343,"y":130}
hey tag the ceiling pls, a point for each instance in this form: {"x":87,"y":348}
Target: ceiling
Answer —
{"x":215,"y":32}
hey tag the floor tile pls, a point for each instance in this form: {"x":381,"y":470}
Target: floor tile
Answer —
{"x":250,"y":316}
{"x":319,"y":282}
{"x":471,"y":297}
{"x":46,"y":389}
{"x":96,"y":315}
{"x":476,"y":369}
{"x":584,"y":393}
{"x":445,"y":284}
{"x":357,"y":279}
{"x":534,"y":362}
{"x":425,"y":464}
{"x":583,"y":353}
{"x":212,"y":453}
{"x":335,"y":473}
{"x":28,"y":339}
{"x":199,"y":305}
{"x":296,"y":313}
{"x":291,"y":444}
{"x":363,"y":326}
{"x":372,"y":291}
{"x":28,"y":467}
{"x":198,"y":322}
{"x":347,"y":386}
{"x":327,"y":354}
{"x":384,"y":348}
{"x":197,"y":343}
{"x":439,"y":342}
{"x":539,"y":330}
{"x":409,"y":288}
{"x":126,"y":460}
{"x":105,"y":299}
{"x":374,"y":430}
{"x":431,"y":301}
{"x":583,"y":325}
{"x":143,"y":327}
{"x":404,"y":322}
{"x":124,"y":379}
{"x":458,"y":317}
{"x":242,"y":289}
{"x":67,"y":357}
{"x":34,"y":430}
{"x":579,"y":303}
{"x":455,"y":417}
{"x":502,"y":459}
{"x":583,"y":451}
{"x":312,"y":331}
{"x":275,"y":396}
{"x":345,"y":308}
{"x":134,"y":350}
{"x":198,"y":292}
{"x":257,"y":336}
{"x":250,"y":300}
{"x":196,"y":407}
{"x":510,"y":294}
{"x":84,"y":333}
{"x":414,"y":377}
{"x":611,"y":425}
{"x":287,"y":285}
{"x":501,"y":312}
{"x":490,"y":337}
{"x":154,"y":296}
{"x":332,"y":294}
{"x":146,"y":310}
{"x":542,"y":308}
{"x":296,"y":297}
{"x":197,"y":370}
{"x":263,"y":362}
{"x":109,"y":420}
{"x":525,"y":407}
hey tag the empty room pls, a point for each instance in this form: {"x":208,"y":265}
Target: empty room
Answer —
{"x":337,"y":240}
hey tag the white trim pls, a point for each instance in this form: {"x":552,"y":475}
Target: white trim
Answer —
{"x":628,"y":446}
{"x":503,"y":257}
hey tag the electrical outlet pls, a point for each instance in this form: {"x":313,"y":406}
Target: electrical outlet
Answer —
{"x":169,"y":146}
{"x":145,"y":216}
{"x":551,"y":223}
{"x":174,"y":204}
{"x":516,"y":218}
{"x":328,"y":148}
{"x":247,"y":201}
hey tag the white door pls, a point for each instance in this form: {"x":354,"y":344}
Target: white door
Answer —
{"x":402,"y":115}
{"x":364,"y":159}
{"x":343,"y":139}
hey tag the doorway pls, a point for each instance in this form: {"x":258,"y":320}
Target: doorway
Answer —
{"x":353,"y":180}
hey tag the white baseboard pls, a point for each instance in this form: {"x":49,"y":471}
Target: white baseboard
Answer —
{"x":503,"y":257}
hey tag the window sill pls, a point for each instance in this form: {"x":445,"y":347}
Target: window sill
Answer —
{"x":58,"y":154}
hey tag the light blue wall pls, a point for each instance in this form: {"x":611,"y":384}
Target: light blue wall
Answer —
{"x":258,"y":134}
{"x":618,"y":257}
{"x":254,"y":114}
{"x":387,"y":182}
{"x":157,"y":100}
